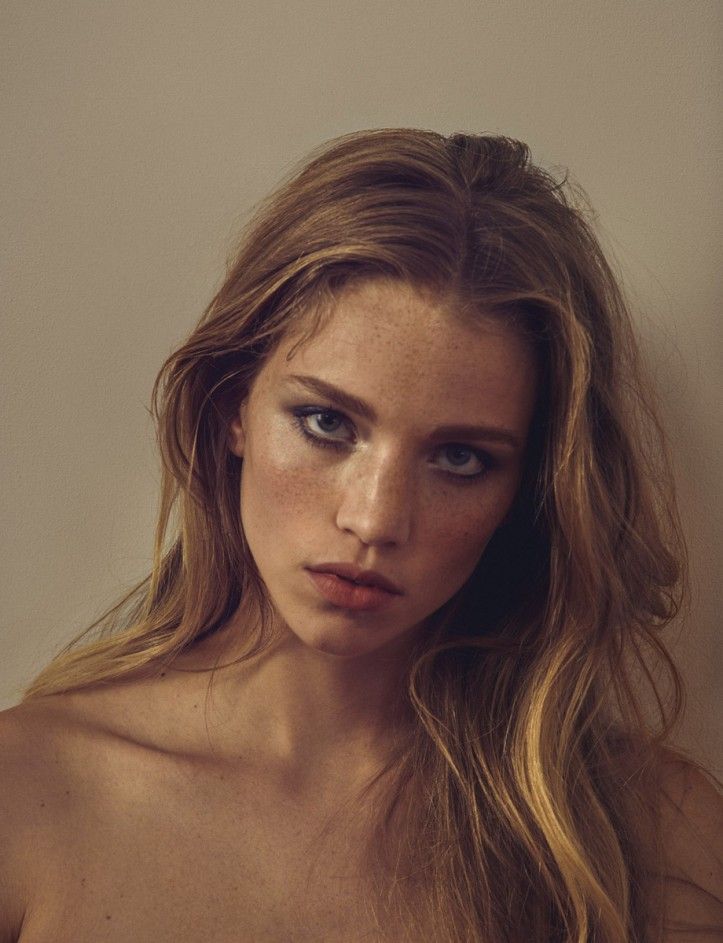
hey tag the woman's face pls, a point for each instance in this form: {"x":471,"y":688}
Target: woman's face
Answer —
{"x":378,"y":483}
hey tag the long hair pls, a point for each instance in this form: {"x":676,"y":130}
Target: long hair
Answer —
{"x":516,"y":810}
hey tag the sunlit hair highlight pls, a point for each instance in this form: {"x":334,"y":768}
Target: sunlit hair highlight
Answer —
{"x":517,"y":809}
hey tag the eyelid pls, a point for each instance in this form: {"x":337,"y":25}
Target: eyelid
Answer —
{"x":316,"y":439}
{"x":305,"y":411}
{"x":485,"y":460}
{"x":300,"y":413}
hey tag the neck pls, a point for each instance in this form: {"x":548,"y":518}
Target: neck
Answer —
{"x":303,"y":714}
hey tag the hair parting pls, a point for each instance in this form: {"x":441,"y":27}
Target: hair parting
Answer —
{"x":520,"y":805}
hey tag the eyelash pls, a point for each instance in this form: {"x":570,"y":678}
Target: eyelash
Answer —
{"x":303,"y":413}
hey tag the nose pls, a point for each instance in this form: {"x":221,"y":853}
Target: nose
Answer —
{"x":377,"y":501}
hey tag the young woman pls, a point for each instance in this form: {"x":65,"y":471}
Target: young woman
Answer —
{"x":416,"y":547}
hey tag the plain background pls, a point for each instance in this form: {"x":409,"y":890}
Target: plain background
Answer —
{"x":139,"y":135}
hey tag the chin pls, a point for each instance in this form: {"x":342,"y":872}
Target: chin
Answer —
{"x":340,"y":634}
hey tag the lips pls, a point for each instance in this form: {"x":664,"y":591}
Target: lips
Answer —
{"x":356,"y":575}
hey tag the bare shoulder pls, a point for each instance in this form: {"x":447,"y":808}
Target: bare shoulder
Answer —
{"x":65,"y":761}
{"x":56,"y":756}
{"x":31,"y":740}
{"x":691,"y":831}
{"x":30,"y":751}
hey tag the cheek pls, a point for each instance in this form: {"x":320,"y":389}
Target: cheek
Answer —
{"x":456,"y":539}
{"x":280,"y":487}
{"x":458,"y":544}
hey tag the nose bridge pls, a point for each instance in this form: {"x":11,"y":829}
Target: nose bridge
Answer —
{"x":378,"y":497}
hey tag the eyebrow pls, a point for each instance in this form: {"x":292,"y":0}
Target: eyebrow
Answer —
{"x":361,"y":408}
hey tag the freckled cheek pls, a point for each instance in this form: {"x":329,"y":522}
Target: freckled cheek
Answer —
{"x":280,"y":483}
{"x":456,"y":541}
{"x":460,"y":543}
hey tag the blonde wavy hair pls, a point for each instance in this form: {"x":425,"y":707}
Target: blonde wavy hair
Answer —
{"x":521,"y":800}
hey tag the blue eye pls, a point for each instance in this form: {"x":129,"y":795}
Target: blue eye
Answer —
{"x":325,"y":420}
{"x":322,"y":425}
{"x":468,"y":462}
{"x":320,"y":431}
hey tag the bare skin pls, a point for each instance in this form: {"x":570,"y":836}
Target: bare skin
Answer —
{"x":141,"y":810}
{"x":146,"y":811}
{"x":113,"y":829}
{"x":132,"y":832}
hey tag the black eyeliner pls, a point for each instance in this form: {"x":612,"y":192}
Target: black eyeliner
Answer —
{"x":300,"y":413}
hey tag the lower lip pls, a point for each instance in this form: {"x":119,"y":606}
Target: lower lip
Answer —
{"x":348,"y":595}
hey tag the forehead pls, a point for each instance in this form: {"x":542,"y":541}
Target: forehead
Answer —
{"x":399,"y":347}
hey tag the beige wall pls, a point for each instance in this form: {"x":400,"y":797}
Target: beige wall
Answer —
{"x":138,"y":134}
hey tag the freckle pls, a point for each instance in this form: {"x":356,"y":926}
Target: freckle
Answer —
{"x":82,"y":881}
{"x":163,"y":674}
{"x":67,"y":792}
{"x":42,"y":805}
{"x":107,"y":916}
{"x":195,"y":706}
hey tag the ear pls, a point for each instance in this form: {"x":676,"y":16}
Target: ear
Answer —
{"x":236,"y":434}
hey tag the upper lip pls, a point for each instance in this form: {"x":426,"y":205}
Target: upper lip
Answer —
{"x":351,"y":572}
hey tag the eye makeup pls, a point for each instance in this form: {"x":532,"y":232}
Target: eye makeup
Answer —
{"x":302,"y":414}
